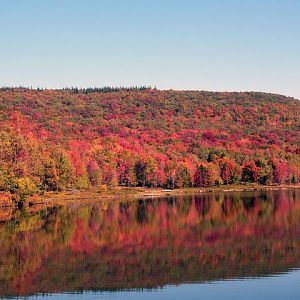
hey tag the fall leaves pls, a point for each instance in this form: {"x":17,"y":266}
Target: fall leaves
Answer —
{"x":61,"y":139}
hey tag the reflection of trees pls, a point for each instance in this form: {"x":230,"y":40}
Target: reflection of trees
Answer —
{"x":150,"y":242}
{"x":141,"y":212}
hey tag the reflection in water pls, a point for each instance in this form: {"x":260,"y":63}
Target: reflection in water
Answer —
{"x":149,"y":243}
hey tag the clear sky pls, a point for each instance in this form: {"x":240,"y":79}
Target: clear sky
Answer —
{"x":221,"y":45}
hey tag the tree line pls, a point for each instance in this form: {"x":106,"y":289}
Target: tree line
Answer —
{"x":29,"y":166}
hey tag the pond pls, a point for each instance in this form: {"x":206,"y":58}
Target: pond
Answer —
{"x":205,"y":246}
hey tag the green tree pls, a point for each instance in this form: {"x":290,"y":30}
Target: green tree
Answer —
{"x":183,"y":178}
{"x":64,"y":169}
{"x":50,"y":181}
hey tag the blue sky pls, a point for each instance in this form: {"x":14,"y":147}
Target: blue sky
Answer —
{"x":221,"y":45}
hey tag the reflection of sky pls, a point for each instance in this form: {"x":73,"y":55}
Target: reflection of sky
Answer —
{"x":281,"y":287}
{"x":179,"y":44}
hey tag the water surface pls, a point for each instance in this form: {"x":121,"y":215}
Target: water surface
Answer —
{"x":209,"y":246}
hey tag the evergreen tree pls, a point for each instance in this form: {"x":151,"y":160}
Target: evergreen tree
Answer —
{"x":50,"y":180}
{"x":183,"y":178}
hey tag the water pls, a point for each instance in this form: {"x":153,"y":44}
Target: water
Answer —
{"x":210,"y":246}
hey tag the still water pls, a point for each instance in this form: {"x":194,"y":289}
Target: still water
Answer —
{"x":208,"y":246}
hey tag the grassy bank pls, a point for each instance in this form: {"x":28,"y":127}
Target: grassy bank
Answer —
{"x":120,"y":193}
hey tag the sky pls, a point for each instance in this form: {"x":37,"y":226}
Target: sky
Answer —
{"x":217,"y":45}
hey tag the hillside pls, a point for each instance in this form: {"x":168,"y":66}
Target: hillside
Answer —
{"x":57,"y":139}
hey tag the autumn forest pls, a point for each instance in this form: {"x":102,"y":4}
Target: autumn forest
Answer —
{"x":54,"y":140}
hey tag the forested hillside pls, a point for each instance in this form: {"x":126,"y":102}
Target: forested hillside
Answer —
{"x":60,"y":139}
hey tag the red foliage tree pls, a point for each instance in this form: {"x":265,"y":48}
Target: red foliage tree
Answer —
{"x":250,"y":172}
{"x":280,"y":171}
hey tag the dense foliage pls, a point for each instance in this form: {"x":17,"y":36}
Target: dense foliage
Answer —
{"x":59,"y":139}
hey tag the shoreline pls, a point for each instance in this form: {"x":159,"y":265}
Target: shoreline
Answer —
{"x":125,"y":193}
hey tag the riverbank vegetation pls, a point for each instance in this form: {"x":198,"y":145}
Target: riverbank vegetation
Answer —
{"x":72,"y":139}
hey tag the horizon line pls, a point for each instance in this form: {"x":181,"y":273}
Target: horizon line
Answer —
{"x":108,"y":88}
